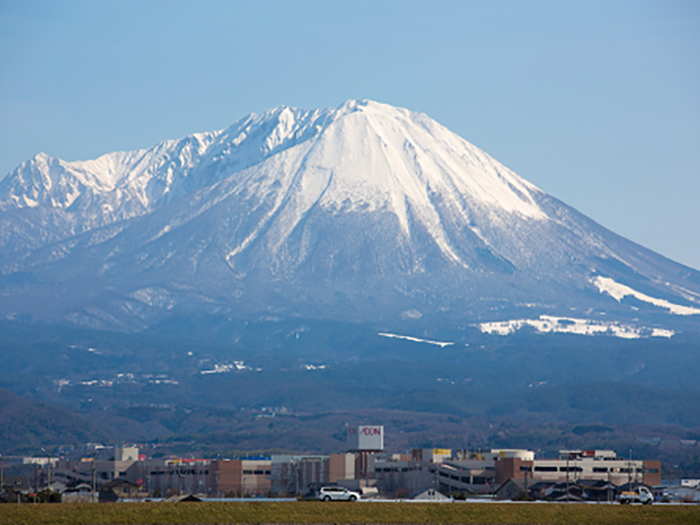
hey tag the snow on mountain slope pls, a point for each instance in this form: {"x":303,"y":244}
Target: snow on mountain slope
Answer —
{"x":619,"y":291}
{"x":147,"y":176}
{"x":374,"y":159}
{"x":363,"y":211}
{"x":122,"y":185}
{"x":567,"y":325}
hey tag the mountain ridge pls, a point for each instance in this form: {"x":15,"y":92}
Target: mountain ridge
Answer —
{"x":359,"y":212}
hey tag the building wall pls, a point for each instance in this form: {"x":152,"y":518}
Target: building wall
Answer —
{"x":409,"y":481}
{"x":341,"y":466}
{"x":400,"y":474}
{"x":434,"y":455}
{"x":512,"y":468}
{"x":652,"y":473}
{"x":285,"y":479}
{"x":240,"y":477}
{"x":617,"y":471}
{"x":126,"y":453}
{"x":67,"y":471}
{"x":470,"y":476}
{"x":314,"y":471}
{"x":166,"y":476}
{"x":227,"y":476}
{"x":295,"y":474}
{"x":255,"y":479}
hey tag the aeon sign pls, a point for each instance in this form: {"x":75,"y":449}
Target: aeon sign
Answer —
{"x":366,"y":437}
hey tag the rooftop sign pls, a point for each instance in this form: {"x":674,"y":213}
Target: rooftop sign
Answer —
{"x":366,"y":437}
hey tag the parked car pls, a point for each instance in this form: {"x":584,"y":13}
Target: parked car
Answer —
{"x":336,"y":494}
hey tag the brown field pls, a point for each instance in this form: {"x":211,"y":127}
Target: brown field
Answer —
{"x":313,"y":512}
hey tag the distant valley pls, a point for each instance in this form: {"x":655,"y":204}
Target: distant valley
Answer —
{"x":259,"y":393}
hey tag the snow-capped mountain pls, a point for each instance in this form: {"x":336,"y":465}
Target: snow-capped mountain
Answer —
{"x":361,"y":212}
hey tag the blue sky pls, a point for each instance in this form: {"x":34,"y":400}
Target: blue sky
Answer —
{"x":595,"y":102}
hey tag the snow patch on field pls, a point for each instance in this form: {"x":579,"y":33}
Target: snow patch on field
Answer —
{"x":618,"y":291}
{"x":415,"y":339}
{"x":661,"y":332}
{"x":225,"y":368}
{"x":314,"y":367}
{"x":567,"y":325}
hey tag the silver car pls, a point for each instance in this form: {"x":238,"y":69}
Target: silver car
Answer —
{"x":336,"y":494}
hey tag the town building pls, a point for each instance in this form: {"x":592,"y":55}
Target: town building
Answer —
{"x":240,"y":477}
{"x":402,"y":474}
{"x":297,"y":474}
{"x":588,"y":474}
{"x":106,"y":464}
{"x":575,"y":465}
{"x":165,"y":477}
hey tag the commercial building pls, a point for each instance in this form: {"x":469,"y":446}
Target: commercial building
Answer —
{"x":476,"y":471}
{"x":296,"y":474}
{"x":402,"y":474}
{"x":575,"y":465}
{"x":105,"y":464}
{"x":481,"y":471}
{"x":230,"y":477}
{"x":366,"y":467}
{"x":240,"y":477}
{"x":171,"y":476}
{"x":247,"y":477}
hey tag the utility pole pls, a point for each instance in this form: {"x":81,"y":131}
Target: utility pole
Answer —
{"x":567,"y":476}
{"x":48,"y":465}
{"x":629,"y":471}
{"x":295,"y":470}
{"x":94,"y":474}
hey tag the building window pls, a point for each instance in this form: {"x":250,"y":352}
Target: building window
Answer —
{"x":570,"y":469}
{"x":600,"y":469}
{"x":545,"y":469}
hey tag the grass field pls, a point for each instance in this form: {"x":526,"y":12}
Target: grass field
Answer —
{"x":355,"y":513}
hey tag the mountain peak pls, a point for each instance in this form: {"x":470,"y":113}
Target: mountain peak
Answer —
{"x":355,"y":212}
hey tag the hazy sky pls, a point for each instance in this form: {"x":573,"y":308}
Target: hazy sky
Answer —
{"x":595,"y":102}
